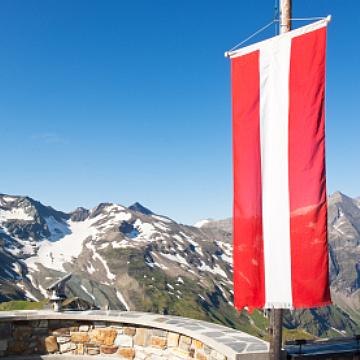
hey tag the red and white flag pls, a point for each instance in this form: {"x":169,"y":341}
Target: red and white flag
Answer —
{"x":280,"y":211}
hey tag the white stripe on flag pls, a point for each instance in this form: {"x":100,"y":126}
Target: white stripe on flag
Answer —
{"x":274,"y":115}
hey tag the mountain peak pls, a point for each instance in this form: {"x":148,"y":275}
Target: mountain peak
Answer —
{"x":80,"y":214}
{"x":140,"y":208}
{"x":338,"y":196}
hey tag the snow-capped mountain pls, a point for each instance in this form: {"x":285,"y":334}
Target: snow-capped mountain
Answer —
{"x":40,"y":244}
{"x":131,"y":258}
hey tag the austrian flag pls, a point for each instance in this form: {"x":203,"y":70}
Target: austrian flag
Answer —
{"x":280,"y":211}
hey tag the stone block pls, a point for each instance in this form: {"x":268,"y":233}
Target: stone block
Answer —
{"x":157,"y":357}
{"x":126,"y":353}
{"x":108,"y":349}
{"x":84,"y":328}
{"x":43,"y":324}
{"x":61,"y":323}
{"x":197,"y":344}
{"x":60,"y":331}
{"x":124,"y":341}
{"x":54,"y":324}
{"x":140,"y":354}
{"x":81,"y":337}
{"x":129,"y":331}
{"x":92,"y":350}
{"x":35,"y":342}
{"x":35,"y":346}
{"x":38,"y":331}
{"x":103,"y":336}
{"x":184,"y":343}
{"x":66,"y":347}
{"x":158,"y":332}
{"x":173,"y":339}
{"x":99,"y":324}
{"x":3,"y":345}
{"x":21,"y":332}
{"x":185,"y":339}
{"x":156,"y":351}
{"x":141,"y":337}
{"x":63,"y":339}
{"x":39,"y":323}
{"x":158,"y":342}
{"x":17,"y":347}
{"x":184,"y":354}
{"x":80,"y":349}
{"x":51,"y":344}
{"x":201,"y":356}
{"x":5,"y":330}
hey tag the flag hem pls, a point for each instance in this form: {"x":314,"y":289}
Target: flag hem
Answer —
{"x":291,"y":34}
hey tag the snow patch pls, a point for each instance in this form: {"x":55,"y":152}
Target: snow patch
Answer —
{"x":53,"y":254}
{"x":43,"y":291}
{"x":201,"y":223}
{"x":177,"y":258}
{"x":103,"y":246}
{"x":146,"y":229}
{"x":87,"y":292}
{"x":178,"y":238}
{"x":226,"y":258}
{"x":90,"y":269}
{"x":122,"y":300}
{"x":97,"y":256}
{"x":9,"y":198}
{"x":28,"y":294}
{"x":161,"y":226}
{"x":342,"y":333}
{"x":216,"y":270}
{"x":15,"y":214}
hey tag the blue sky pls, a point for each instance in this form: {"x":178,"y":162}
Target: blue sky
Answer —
{"x":128,"y":101}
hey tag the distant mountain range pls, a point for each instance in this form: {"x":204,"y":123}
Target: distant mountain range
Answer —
{"x":131,"y":258}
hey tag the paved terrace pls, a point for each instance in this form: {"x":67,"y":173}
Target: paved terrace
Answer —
{"x":233,"y":344}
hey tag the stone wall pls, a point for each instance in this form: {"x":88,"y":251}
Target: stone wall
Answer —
{"x":95,"y":338}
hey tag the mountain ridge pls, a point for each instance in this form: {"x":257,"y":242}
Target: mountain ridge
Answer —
{"x":131,"y":258}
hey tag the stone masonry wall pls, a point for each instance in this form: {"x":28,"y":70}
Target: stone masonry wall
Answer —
{"x":95,"y":338}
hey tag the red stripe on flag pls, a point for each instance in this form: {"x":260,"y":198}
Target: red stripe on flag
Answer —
{"x":308,"y":223}
{"x":249,"y":287}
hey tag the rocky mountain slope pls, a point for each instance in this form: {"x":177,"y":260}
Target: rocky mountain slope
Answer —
{"x":344,"y":247}
{"x":131,"y":258}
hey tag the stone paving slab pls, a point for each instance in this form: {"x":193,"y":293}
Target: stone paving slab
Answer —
{"x":234,"y":344}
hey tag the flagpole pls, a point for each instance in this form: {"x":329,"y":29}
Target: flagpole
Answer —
{"x":276,"y":321}
{"x":285,"y":16}
{"x":276,"y":315}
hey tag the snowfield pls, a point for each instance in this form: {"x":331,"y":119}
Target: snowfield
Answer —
{"x":53,"y":254}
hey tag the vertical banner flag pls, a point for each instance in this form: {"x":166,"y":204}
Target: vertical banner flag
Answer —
{"x":280,"y":210}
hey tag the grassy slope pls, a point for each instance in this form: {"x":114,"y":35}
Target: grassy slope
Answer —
{"x":22,"y":305}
